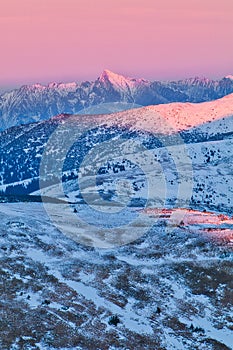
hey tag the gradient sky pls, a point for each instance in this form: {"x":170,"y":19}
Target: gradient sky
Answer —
{"x":73,"y":40}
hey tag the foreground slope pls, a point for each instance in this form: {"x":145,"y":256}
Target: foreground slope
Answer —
{"x":168,"y":291}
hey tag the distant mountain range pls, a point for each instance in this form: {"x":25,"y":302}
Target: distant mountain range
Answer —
{"x":37,"y":102}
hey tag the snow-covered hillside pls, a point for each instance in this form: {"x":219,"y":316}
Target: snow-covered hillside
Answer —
{"x":196,"y":134}
{"x":166,"y":291}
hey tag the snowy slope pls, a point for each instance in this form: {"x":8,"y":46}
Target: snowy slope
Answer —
{"x":204,"y":128}
{"x":169,"y":292}
{"x":171,"y":285}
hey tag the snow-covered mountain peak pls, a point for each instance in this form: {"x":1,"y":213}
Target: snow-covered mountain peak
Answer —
{"x":50,"y":86}
{"x":124,"y":85}
{"x":115,"y":79}
{"x":118,"y":79}
{"x":63,"y":86}
{"x":198,"y":81}
{"x":33,"y":87}
{"x":37,"y":86}
{"x":229,"y":77}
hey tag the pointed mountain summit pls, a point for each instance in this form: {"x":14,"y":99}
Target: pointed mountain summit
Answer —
{"x":229,"y":77}
{"x":126,"y":87}
{"x":115,"y":79}
{"x":109,"y":75}
{"x":118,"y":79}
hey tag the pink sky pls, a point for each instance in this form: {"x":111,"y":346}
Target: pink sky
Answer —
{"x":67,"y":40}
